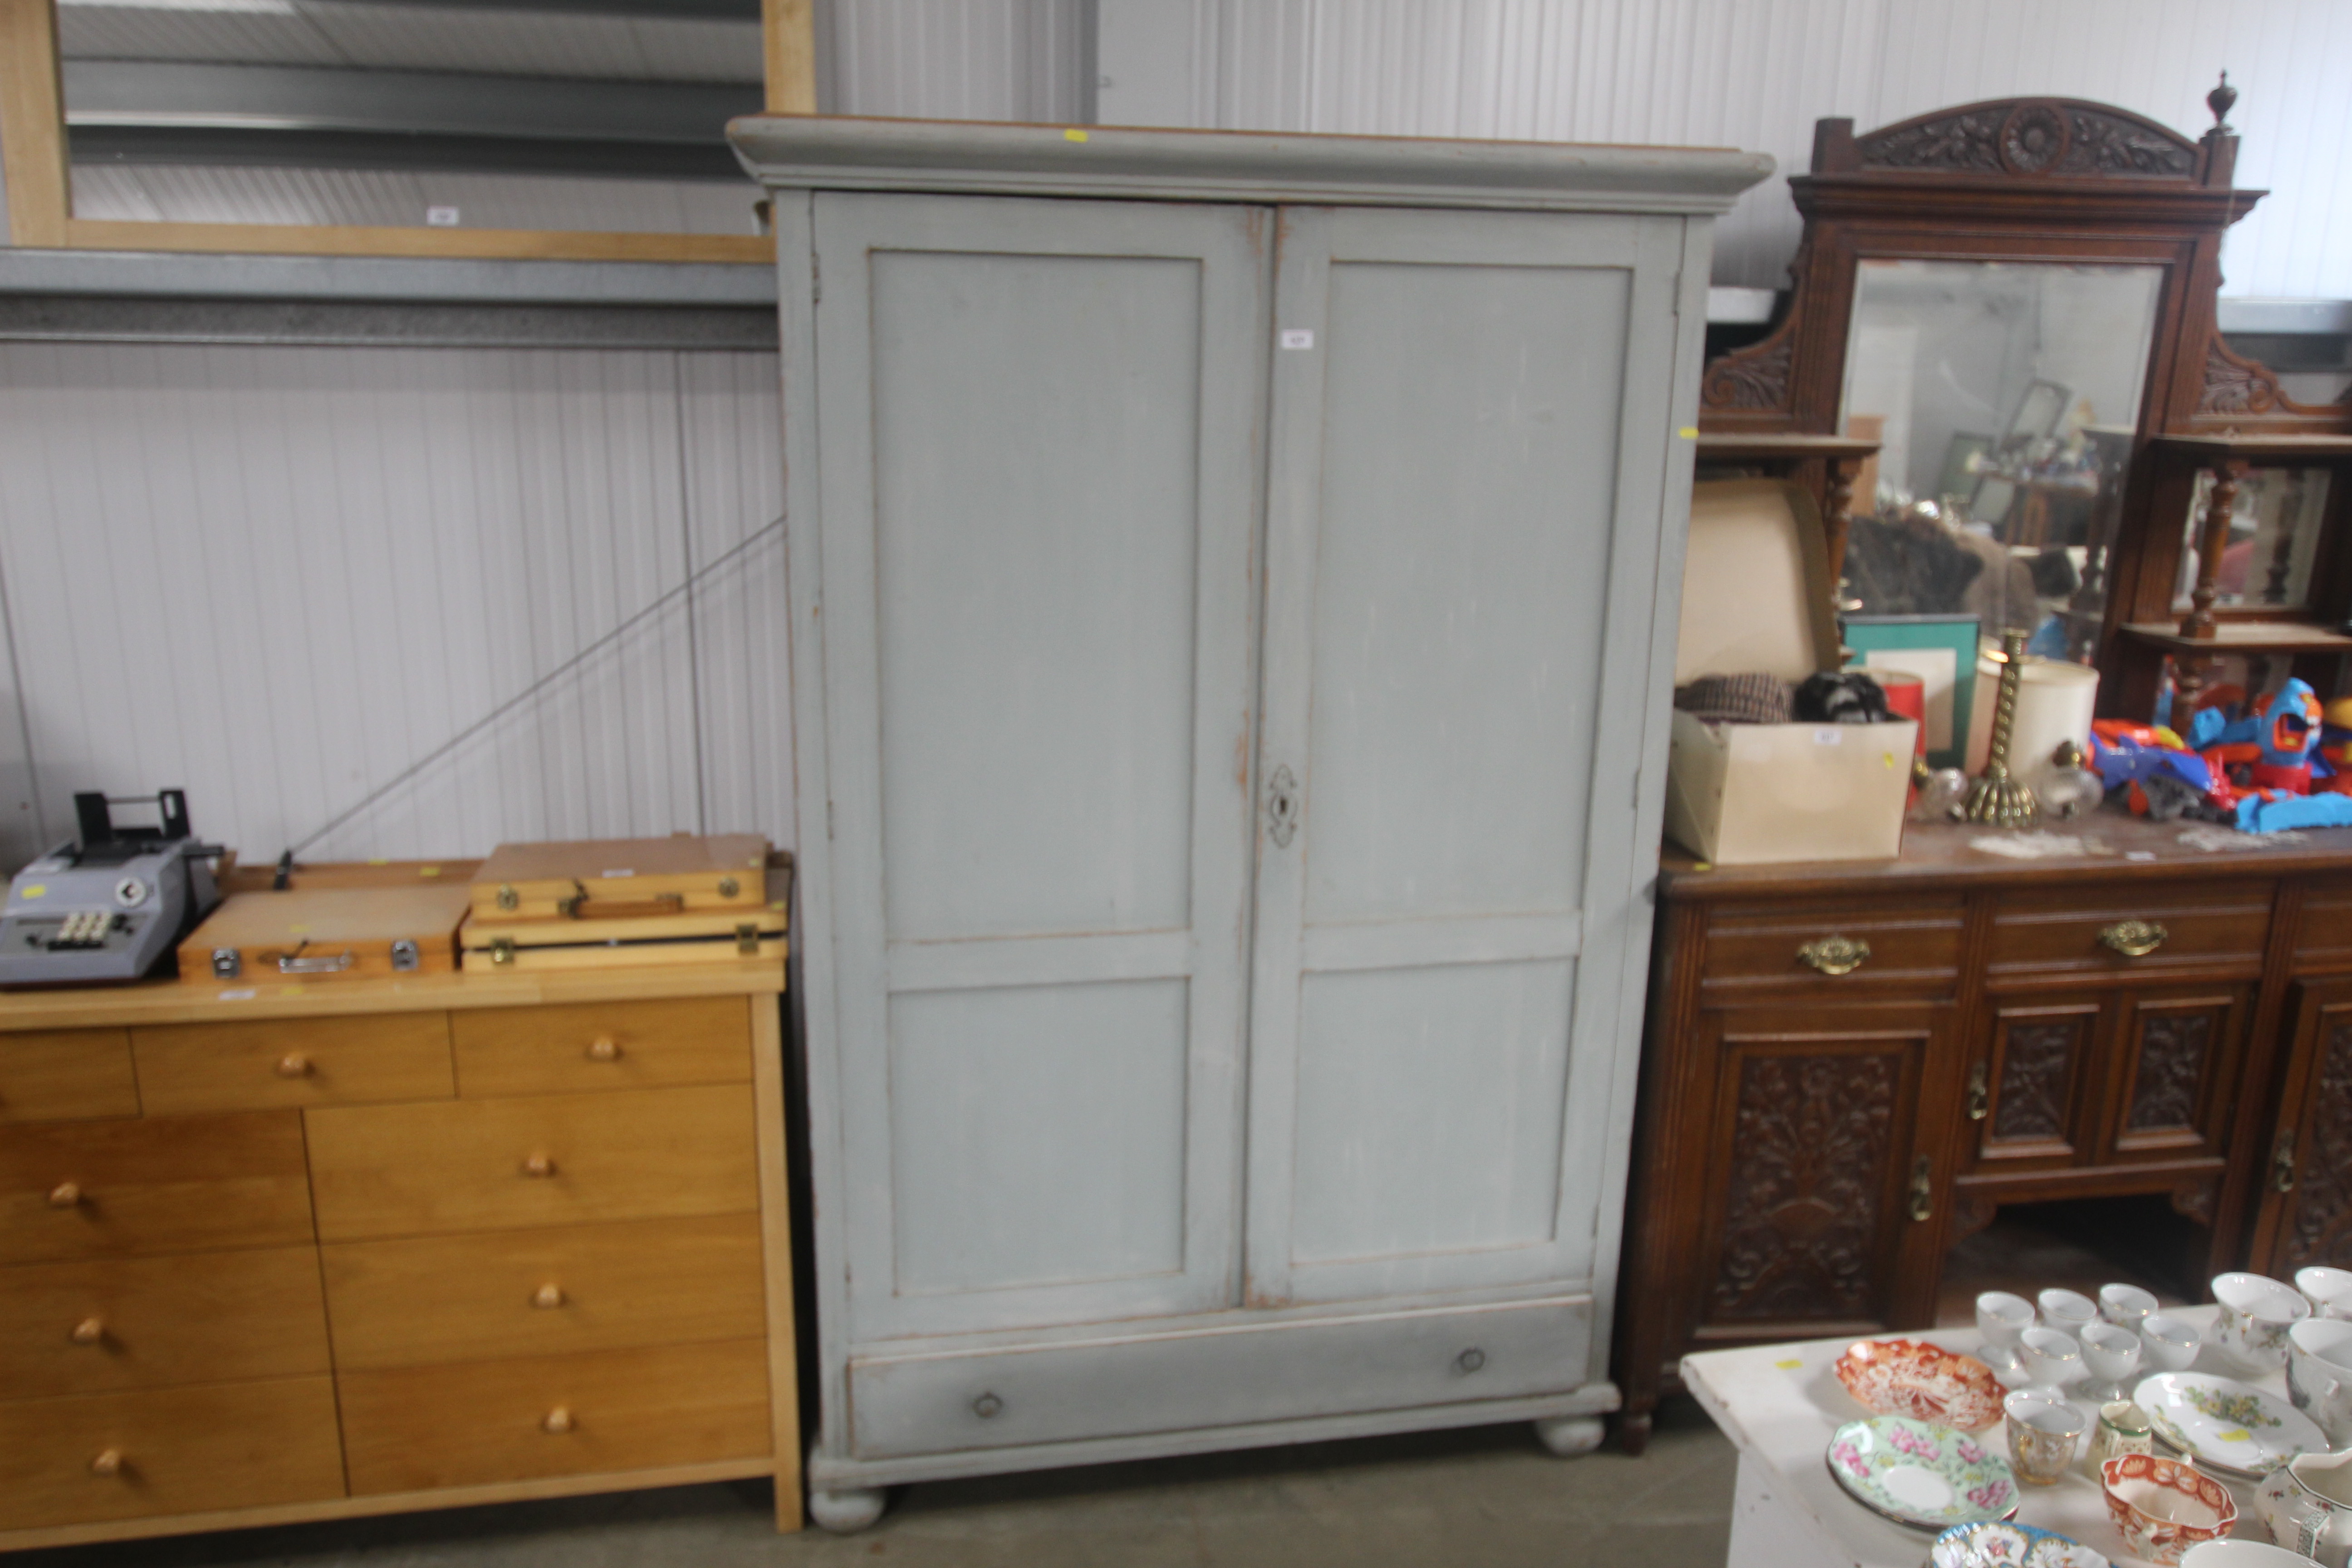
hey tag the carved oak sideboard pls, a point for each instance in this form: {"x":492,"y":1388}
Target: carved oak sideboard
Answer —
{"x":1850,"y":1067}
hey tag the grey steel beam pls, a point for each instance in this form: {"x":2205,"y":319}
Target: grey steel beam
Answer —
{"x":342,"y":323}
{"x":2284,"y":316}
{"x":169,"y":95}
{"x":711,"y":162}
{"x":387,"y":280}
{"x":651,"y":10}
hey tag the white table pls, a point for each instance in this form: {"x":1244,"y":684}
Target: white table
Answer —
{"x":1779,"y":1403}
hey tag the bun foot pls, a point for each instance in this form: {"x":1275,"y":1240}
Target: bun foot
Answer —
{"x":846,"y":1513}
{"x":1568,"y":1436}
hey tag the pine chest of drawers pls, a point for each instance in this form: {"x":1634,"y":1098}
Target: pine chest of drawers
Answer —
{"x":286,"y":1252}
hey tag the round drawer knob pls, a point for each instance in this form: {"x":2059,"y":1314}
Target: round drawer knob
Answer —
{"x":293,"y":1064}
{"x":986,"y":1406}
{"x":604,"y":1048}
{"x":548,"y":1295}
{"x":540,"y":1165}
{"x":1471,"y":1360}
{"x":109,"y":1462}
{"x":90,"y":1331}
{"x":64,"y":1194}
{"x":556,"y":1421}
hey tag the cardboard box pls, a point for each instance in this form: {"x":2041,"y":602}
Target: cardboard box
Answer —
{"x":1755,"y":596}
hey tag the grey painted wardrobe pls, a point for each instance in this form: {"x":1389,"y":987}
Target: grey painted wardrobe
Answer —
{"x":1233,"y":592}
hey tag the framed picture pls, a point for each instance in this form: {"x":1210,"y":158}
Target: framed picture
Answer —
{"x":1941,"y":650}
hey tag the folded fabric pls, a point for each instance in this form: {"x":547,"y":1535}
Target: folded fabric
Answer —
{"x":1842,"y":697}
{"x":1759,"y":697}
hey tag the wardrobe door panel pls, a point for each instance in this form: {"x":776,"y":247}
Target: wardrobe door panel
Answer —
{"x":1041,"y":497}
{"x":1460,"y":589}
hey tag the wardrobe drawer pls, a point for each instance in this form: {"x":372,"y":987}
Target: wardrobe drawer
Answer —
{"x":270,"y":1062}
{"x":166,"y":1451}
{"x":603,"y":1045}
{"x":540,"y":1293}
{"x":99,"y":1325}
{"x":177,"y":1184}
{"x":555,"y":1416}
{"x":1216,"y":1378}
{"x":66,"y":1075}
{"x":1915,"y":943}
{"x":507,"y":1164}
{"x":2096,"y":931}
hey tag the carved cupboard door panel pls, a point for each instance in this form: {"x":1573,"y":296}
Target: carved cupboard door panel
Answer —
{"x":2175,"y":1054}
{"x":2307,"y":1184}
{"x":1830,"y":1169}
{"x":2025,"y":1093}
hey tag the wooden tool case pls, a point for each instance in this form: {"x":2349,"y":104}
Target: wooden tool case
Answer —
{"x":622,"y":879}
{"x":328,"y":932}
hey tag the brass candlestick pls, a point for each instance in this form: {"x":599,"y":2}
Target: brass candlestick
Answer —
{"x":1999,"y":799}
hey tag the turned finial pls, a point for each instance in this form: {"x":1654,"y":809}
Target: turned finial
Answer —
{"x":2221,"y":100}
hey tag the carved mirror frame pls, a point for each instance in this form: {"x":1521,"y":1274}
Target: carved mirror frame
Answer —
{"x":2026,"y":180}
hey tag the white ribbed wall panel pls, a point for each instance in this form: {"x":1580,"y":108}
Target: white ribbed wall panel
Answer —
{"x":181,"y":193}
{"x":282,"y":576}
{"x":956,"y":60}
{"x":1757,"y":73}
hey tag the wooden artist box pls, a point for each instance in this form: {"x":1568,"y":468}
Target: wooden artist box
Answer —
{"x":328,"y":933}
{"x":609,"y":902}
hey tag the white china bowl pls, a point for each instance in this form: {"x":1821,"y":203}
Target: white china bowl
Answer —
{"x":2256,"y":1313}
{"x":2171,"y":1341}
{"x":2125,"y":1306}
{"x":2110,"y":1355}
{"x":2051,"y":1357}
{"x":2067,"y":1310}
{"x":2242,"y":1554}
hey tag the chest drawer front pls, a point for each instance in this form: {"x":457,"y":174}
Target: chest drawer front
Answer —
{"x":2126,"y":930}
{"x":504,"y":1164}
{"x":420,"y":1301}
{"x":1834,"y":948}
{"x":555,"y":1416}
{"x":2322,"y":938}
{"x":271,"y":1062}
{"x":66,"y":1075}
{"x":175,"y":1451}
{"x":101,"y":1324}
{"x":178,"y":1184}
{"x":1169,"y":1382}
{"x":604,"y":1045}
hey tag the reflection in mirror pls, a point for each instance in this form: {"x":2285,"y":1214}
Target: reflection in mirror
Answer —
{"x":2275,"y":528}
{"x":2004,"y":395}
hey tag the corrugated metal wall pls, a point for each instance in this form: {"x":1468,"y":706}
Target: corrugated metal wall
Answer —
{"x":1757,"y":73}
{"x":281,"y":577}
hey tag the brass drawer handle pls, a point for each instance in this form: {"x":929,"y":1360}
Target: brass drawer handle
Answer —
{"x":1979,"y":1096}
{"x":1834,"y":954}
{"x":2133,"y":939}
{"x":1923,"y":1192}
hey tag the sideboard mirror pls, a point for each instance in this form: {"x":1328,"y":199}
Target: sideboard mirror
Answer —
{"x":2012,"y":300}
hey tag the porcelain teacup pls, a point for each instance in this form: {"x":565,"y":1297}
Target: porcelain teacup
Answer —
{"x":2256,"y":1313}
{"x":2329,"y":1290}
{"x":2052,"y":1358}
{"x":2000,"y":1318}
{"x":2171,"y":1342}
{"x":2043,"y":1431}
{"x":2319,"y":1374}
{"x":2125,"y":1306}
{"x":2069,"y":1311}
{"x":2307,"y":1503}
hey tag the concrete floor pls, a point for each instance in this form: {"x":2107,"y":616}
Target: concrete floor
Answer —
{"x":1487,"y":1497}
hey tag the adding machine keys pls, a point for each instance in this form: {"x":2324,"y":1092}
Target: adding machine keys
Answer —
{"x":112,"y":906}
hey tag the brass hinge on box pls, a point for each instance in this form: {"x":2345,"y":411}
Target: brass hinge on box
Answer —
{"x":747,"y":938}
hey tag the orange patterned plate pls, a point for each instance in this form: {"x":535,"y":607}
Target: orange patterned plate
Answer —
{"x":1925,"y":1382}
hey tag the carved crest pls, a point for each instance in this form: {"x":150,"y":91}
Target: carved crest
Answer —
{"x":2031,"y":138}
{"x":1754,"y":377}
{"x":2235,"y":385}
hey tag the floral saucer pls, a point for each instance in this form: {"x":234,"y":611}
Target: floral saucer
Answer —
{"x":2235,"y":1428}
{"x":1921,"y":1474}
{"x":1925,"y":1382}
{"x":2007,"y":1545}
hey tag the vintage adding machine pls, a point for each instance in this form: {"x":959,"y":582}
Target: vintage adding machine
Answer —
{"x":112,"y":906}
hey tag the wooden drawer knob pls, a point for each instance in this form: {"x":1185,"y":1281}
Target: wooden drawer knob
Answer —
{"x":557,"y":1421}
{"x":90,"y":1331}
{"x":540,"y":1165}
{"x":293,"y":1064}
{"x":604,"y":1048}
{"x":548,"y":1295}
{"x":64,"y":1194}
{"x":109,"y":1462}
